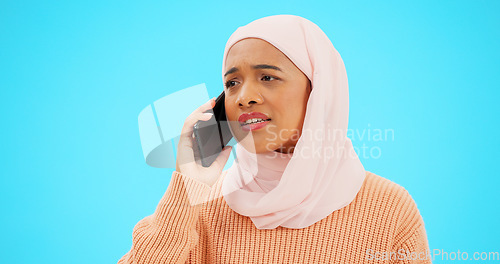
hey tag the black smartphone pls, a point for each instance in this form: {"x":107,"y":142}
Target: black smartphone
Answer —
{"x":212,"y":135}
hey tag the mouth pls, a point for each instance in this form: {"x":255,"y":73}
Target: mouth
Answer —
{"x":253,"y":121}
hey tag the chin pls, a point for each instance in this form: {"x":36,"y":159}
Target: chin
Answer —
{"x":258,"y":149}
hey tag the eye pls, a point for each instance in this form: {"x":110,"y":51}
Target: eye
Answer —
{"x":267,"y":77}
{"x":230,"y":84}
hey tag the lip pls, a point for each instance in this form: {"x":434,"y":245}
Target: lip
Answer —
{"x":245,"y":116}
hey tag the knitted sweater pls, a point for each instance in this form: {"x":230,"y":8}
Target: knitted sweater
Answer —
{"x":381,"y":225}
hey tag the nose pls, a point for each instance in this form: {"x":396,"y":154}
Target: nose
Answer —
{"x":249,"y":95}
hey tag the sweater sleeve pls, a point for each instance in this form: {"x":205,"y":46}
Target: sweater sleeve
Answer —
{"x":172,"y":231}
{"x":411,"y":245}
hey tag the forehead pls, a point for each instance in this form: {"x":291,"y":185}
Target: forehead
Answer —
{"x":254,"y":50}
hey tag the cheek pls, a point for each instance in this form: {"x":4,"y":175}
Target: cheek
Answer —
{"x":292,"y":114}
{"x":231,"y":113}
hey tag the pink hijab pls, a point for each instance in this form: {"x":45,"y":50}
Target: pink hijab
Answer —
{"x":324,"y":173}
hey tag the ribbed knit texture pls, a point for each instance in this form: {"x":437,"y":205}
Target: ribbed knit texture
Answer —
{"x":383,"y":218}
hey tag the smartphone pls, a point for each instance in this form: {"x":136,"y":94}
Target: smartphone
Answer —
{"x":213,"y":135}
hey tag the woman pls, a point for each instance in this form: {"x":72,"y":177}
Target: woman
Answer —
{"x":297,"y":192}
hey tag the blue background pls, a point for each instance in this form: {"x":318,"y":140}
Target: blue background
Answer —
{"x":74,"y":76}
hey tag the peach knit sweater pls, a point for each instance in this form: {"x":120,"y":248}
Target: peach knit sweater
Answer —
{"x":381,"y":225}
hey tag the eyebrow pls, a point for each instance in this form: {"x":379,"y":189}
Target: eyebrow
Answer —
{"x":258,"y":66}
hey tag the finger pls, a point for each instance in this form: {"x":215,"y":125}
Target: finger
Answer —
{"x":194,"y":117}
{"x":206,"y":106}
{"x":186,"y":139}
{"x":187,"y":129}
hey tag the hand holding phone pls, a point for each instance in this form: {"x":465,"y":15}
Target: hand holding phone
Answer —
{"x":214,"y":134}
{"x":187,"y":149}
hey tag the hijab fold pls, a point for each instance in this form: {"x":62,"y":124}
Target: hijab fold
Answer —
{"x":323,"y":174}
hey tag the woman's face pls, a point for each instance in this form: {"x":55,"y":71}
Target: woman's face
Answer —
{"x":259,"y":79}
